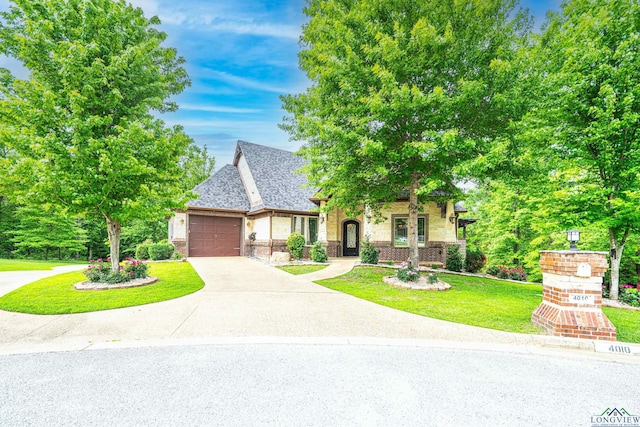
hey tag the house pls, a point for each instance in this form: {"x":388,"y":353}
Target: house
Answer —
{"x":249,"y":208}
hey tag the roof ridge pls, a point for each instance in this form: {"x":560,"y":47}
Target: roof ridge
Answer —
{"x":242,"y":142}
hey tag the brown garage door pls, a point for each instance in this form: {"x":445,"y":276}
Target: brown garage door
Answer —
{"x":214,"y":236}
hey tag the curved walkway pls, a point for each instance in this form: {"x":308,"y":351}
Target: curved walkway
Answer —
{"x":245,"y":300}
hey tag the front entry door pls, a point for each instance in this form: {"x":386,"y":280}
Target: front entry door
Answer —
{"x":351,"y":238}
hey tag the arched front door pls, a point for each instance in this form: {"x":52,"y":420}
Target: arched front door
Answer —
{"x":351,"y":238}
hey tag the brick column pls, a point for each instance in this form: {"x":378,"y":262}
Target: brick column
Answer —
{"x":572,"y":295}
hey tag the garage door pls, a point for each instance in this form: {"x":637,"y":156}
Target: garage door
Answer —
{"x":214,"y":236}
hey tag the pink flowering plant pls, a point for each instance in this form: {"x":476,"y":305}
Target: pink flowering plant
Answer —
{"x":135,"y":268}
{"x":513,"y":273}
{"x":99,"y":271}
{"x":407,"y":273}
{"x":629,"y":295}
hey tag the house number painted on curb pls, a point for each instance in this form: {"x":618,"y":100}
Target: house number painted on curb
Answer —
{"x":621,"y":348}
{"x":582,"y":299}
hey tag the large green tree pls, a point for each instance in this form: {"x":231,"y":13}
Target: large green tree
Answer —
{"x":588,"y":55}
{"x":39,"y":231}
{"x":402,"y":93}
{"x":82,"y":124}
{"x":197,"y":165}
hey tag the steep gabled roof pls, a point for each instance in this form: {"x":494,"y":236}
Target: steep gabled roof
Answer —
{"x":222,"y":190}
{"x":274,"y":172}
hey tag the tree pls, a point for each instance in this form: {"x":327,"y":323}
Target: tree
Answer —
{"x":588,"y":54}
{"x":402,"y":93}
{"x":197,"y":165}
{"x":81,"y":124}
{"x":42,"y":230}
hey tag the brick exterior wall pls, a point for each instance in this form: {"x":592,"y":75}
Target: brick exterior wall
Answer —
{"x":572,"y":295}
{"x":433,"y":253}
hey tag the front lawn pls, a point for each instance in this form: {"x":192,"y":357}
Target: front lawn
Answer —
{"x":302,"y":269}
{"x":488,"y":303}
{"x":56,"y":295}
{"x":25,"y":265}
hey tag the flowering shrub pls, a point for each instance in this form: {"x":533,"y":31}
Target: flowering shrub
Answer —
{"x":134,"y":268}
{"x":513,"y":273}
{"x":629,"y":295}
{"x":100,"y":271}
{"x":407,"y":273}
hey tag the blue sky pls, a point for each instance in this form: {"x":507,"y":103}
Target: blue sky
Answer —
{"x":241,"y":55}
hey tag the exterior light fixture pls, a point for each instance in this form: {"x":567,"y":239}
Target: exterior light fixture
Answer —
{"x":452,"y":219}
{"x":573,"y":236}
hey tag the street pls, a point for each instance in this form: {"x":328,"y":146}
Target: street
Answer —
{"x":274,"y":384}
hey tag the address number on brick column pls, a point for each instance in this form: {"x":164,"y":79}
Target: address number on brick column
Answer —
{"x":582,"y":299}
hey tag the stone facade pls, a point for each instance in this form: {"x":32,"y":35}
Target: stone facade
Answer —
{"x":572,"y":295}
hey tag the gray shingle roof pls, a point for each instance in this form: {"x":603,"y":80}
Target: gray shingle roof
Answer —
{"x":274,"y":172}
{"x":222,"y":190}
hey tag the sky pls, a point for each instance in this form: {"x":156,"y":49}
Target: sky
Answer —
{"x":241,"y":55}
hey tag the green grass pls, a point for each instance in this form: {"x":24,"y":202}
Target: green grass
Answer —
{"x":627,"y":323}
{"x":25,"y":265}
{"x":302,"y":269}
{"x":56,"y":295}
{"x":476,"y":301}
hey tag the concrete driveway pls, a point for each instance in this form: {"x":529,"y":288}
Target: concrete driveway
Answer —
{"x":243,"y":299}
{"x":10,"y":280}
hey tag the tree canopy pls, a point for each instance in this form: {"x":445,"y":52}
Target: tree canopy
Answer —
{"x":80,"y":128}
{"x":402,"y":94}
{"x":590,"y":115}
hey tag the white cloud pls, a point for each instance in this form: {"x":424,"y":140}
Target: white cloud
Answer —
{"x":245,"y":82}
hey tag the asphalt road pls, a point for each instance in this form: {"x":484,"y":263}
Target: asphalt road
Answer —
{"x":296,"y":385}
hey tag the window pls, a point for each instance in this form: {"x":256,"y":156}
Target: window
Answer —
{"x":307,"y":226}
{"x":401,"y":231}
{"x":313,"y":230}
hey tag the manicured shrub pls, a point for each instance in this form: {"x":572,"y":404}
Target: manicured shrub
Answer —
{"x":629,"y":295}
{"x":100,"y":271}
{"x":142,"y":251}
{"x":407,"y":273}
{"x":455,"y":259}
{"x":432,"y":278}
{"x":318,"y":252}
{"x":160,"y":251}
{"x":295,"y":245}
{"x":368,"y":252}
{"x":135,"y":269}
{"x":512,"y":273}
{"x":493,"y":270}
{"x":476,"y":259}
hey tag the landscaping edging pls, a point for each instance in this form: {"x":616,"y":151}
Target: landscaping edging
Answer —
{"x":94,"y":286}
{"x":420,"y":285}
{"x":617,"y":304}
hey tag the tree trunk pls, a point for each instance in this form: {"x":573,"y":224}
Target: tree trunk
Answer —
{"x":615,"y":257}
{"x":113,"y":228}
{"x":414,"y":253}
